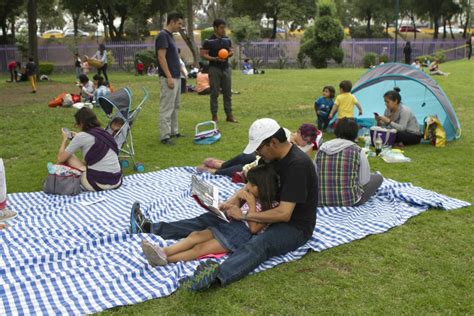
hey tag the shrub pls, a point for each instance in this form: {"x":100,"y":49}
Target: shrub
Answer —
{"x":46,"y":68}
{"x":383,"y":58}
{"x":436,"y":55}
{"x":360,"y":31}
{"x":322,"y":42}
{"x":369,"y":59}
{"x":266,"y":32}
{"x":243,"y":29}
{"x":234,"y":63}
{"x":147,"y":56}
{"x":206,"y":33}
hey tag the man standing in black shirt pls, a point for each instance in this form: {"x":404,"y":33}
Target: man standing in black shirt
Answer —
{"x":219,"y":70}
{"x":170,"y":78}
{"x":292,"y":221}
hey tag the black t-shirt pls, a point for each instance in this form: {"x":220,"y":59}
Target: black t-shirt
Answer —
{"x":165,"y":40}
{"x":214,"y":44}
{"x":299,"y":184}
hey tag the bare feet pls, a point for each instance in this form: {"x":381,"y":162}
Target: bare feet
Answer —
{"x":213,"y":163}
{"x":204,"y":168}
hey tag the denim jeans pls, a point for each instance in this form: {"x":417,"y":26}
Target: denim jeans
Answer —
{"x":278,"y":239}
{"x":235,"y":164}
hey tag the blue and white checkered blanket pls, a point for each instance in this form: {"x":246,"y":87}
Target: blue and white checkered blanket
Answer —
{"x":72,"y":255}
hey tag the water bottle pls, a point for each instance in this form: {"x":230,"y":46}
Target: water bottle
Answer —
{"x":367,"y":141}
{"x":378,"y":144}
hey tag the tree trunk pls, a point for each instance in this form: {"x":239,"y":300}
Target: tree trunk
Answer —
{"x":369,"y":18}
{"x":444,"y":29}
{"x":436,"y":25}
{"x":468,"y":18}
{"x":4,"y":33}
{"x":386,"y":28}
{"x":13,"y":28}
{"x":188,"y":36}
{"x":414,"y":25}
{"x":451,"y":29}
{"x":32,"y":27}
{"x":75,"y":22}
{"x":274,"y":32}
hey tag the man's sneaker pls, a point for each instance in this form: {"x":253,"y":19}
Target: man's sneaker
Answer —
{"x":6,"y":215}
{"x":167,"y":141}
{"x":138,"y":222}
{"x":177,"y":135}
{"x":155,"y":255}
{"x":202,"y":279}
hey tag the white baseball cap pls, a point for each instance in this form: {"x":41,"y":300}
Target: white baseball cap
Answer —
{"x":259,"y":131}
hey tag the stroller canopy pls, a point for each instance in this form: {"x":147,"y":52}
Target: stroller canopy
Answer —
{"x":120,"y":99}
{"x":419,"y":92}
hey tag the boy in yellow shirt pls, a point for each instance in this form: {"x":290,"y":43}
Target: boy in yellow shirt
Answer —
{"x":345,"y":101}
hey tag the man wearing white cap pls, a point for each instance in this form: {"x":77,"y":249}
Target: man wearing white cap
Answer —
{"x":292,"y":221}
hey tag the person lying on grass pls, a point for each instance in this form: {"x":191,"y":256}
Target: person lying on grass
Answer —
{"x":308,"y":138}
{"x":259,"y":194}
{"x":101,"y":169}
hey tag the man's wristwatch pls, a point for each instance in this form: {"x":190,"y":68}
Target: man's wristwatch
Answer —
{"x":245,"y":213}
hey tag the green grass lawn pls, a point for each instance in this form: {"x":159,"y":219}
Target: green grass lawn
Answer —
{"x":424,"y":266}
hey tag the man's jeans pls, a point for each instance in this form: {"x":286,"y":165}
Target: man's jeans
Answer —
{"x":278,"y":239}
{"x":235,"y":164}
{"x":221,"y":79}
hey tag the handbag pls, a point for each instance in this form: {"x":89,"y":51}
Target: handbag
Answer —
{"x":208,"y":136}
{"x":434,"y":132}
{"x":62,"y":185}
{"x":387,"y":135}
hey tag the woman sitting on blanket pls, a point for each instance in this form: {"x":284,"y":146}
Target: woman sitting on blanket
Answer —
{"x":101,"y":169}
{"x":260,"y":194}
{"x":308,"y":138}
{"x":344,"y":177}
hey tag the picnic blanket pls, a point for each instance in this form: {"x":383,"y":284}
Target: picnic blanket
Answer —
{"x":73,"y":255}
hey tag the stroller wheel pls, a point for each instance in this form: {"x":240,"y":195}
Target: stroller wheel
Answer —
{"x":124,"y":163}
{"x":139,"y":167}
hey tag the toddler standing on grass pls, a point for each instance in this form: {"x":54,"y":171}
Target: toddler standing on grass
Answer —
{"x":345,"y":101}
{"x":323,"y":107}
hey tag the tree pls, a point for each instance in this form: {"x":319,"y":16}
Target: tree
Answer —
{"x":367,"y":10}
{"x":295,"y":10}
{"x":32,"y":29}
{"x":75,"y":8}
{"x":9,"y":9}
{"x":322,"y":41}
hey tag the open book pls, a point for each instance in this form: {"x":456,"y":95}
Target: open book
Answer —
{"x":207,"y":196}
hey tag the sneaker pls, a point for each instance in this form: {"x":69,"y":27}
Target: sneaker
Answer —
{"x":138,"y":222}
{"x":7,"y":214}
{"x":167,"y":141}
{"x":155,"y":255}
{"x":202,"y":279}
{"x":177,"y":135}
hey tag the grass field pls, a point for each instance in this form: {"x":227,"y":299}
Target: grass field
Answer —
{"x":425,"y":266}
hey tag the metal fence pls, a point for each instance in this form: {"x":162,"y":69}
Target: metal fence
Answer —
{"x":269,"y":53}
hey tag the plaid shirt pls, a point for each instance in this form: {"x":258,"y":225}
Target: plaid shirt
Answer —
{"x":338,"y":177}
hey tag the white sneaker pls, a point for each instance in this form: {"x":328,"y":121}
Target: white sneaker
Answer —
{"x":6,"y":215}
{"x":154,"y":254}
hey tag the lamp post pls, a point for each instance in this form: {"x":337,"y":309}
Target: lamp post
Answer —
{"x":397,"y":13}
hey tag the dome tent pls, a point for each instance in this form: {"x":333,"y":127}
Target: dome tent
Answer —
{"x":419,"y":92}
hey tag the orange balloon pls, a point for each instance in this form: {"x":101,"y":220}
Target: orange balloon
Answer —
{"x":223,"y":53}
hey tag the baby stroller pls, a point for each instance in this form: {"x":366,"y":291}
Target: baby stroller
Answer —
{"x":118,"y":105}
